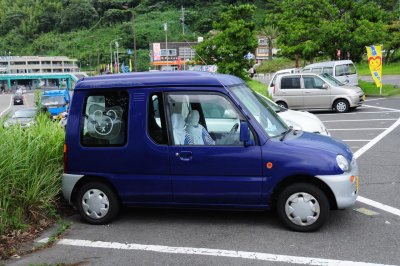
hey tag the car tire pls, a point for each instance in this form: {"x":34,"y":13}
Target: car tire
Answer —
{"x":282,"y":104}
{"x":341,"y":106}
{"x":97,"y":203}
{"x":303,"y":207}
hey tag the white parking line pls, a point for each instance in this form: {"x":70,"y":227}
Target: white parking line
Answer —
{"x":210,"y":252}
{"x":9,"y":106}
{"x":345,"y":129}
{"x":360,"y":120}
{"x":357,"y":113}
{"x":379,"y":205}
{"x":368,"y":100}
{"x":383,"y":108}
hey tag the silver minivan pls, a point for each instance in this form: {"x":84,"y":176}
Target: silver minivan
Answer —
{"x":316,"y":91}
{"x":343,"y":70}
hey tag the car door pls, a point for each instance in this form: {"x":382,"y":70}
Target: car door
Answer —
{"x":291,"y":92}
{"x":315,"y":95}
{"x":216,"y":168}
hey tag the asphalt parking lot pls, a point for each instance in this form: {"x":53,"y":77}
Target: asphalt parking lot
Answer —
{"x":367,"y":234}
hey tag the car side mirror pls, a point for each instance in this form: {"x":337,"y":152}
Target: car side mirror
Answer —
{"x":325,"y":86}
{"x":245,"y":134}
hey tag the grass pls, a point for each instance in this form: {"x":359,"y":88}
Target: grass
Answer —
{"x":257,"y":86}
{"x":30,"y":170}
{"x":387,"y":69}
{"x":370,"y":88}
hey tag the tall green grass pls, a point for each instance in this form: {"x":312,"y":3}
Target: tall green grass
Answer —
{"x":30,"y":170}
{"x":370,"y":88}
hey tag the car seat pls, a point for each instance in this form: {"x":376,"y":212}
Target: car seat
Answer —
{"x":178,"y":129}
{"x":196,"y":133}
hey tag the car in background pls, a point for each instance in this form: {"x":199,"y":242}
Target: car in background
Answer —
{"x":55,"y":101}
{"x":280,"y":72}
{"x":342,"y":70}
{"x":299,"y":120}
{"x":18,"y":98}
{"x":317,"y":92}
{"x":25,"y":117}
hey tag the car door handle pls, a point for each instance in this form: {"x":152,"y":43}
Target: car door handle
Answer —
{"x":184,"y":155}
{"x":306,"y":91}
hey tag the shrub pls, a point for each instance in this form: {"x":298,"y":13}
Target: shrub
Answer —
{"x":274,"y":65}
{"x":30,"y":170}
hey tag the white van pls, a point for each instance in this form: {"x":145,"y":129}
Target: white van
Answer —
{"x":343,"y":70}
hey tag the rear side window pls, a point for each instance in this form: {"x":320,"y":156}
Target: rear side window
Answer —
{"x":104,"y":119}
{"x":328,"y":70}
{"x":290,"y":82}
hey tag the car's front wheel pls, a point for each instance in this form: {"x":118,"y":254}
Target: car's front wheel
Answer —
{"x":97,"y":203}
{"x":303,"y":207}
{"x":341,"y":106}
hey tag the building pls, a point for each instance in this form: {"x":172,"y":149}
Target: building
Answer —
{"x":172,"y":55}
{"x":262,"y":53}
{"x":37,"y":64}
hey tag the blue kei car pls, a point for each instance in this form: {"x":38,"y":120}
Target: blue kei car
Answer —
{"x":197,"y":140}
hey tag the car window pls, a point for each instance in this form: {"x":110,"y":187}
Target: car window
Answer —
{"x":292,"y":82}
{"x":312,"y":82}
{"x":156,"y":120}
{"x":209,"y":119}
{"x":104,"y":119}
{"x":328,"y":70}
{"x":343,"y":70}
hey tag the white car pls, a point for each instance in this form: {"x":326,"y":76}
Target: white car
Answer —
{"x":299,"y":120}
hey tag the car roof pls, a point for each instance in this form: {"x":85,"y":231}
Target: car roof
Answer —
{"x":329,"y":63}
{"x":157,"y":79}
{"x":53,"y":92}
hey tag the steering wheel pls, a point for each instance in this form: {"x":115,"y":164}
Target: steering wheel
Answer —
{"x":233,"y":130}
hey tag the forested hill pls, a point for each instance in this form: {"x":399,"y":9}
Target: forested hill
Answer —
{"x":83,"y":29}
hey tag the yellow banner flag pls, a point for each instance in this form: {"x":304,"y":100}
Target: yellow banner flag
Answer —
{"x":374,"y":54}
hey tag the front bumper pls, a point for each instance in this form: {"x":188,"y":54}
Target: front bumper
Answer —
{"x":345,"y":191}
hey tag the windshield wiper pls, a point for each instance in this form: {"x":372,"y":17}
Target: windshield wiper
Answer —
{"x":284,"y":134}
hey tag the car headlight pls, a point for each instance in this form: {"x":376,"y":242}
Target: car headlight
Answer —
{"x":343,"y":163}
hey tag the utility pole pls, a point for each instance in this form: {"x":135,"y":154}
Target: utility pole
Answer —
{"x":166,"y":43}
{"x":134,"y":42}
{"x":183,"y":20}
{"x":116,"y":46}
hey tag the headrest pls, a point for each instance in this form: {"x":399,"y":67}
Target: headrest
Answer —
{"x":177,"y":121}
{"x":193,"y":118}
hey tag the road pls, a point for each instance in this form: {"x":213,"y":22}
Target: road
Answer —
{"x":367,"y":233}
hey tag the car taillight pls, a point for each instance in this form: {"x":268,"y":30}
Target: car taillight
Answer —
{"x":65,"y":158}
{"x":274,"y":90}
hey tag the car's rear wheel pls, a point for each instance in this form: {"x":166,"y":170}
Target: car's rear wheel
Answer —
{"x":282,"y":104}
{"x":303,"y":207}
{"x":97,"y":203}
{"x":341,"y":106}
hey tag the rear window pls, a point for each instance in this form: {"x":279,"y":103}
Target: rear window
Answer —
{"x":104,"y":119}
{"x":290,"y":82}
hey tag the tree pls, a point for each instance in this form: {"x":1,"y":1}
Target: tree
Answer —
{"x":392,"y":40}
{"x":320,"y":27}
{"x":78,"y":14}
{"x":232,"y":40}
{"x":271,"y":33}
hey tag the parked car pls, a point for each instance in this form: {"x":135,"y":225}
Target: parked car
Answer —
{"x":343,"y":70}
{"x":18,"y":98}
{"x":277,"y":73}
{"x":55,"y":101}
{"x":299,"y":120}
{"x":151,"y":139}
{"x":25,"y":117}
{"x":316,"y":91}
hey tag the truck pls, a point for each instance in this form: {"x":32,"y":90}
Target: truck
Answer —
{"x":55,"y":101}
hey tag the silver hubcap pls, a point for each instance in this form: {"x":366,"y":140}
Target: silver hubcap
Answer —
{"x":95,"y":203}
{"x":341,"y":106}
{"x":302,"y":209}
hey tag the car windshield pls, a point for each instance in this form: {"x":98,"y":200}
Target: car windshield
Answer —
{"x":50,"y":100}
{"x":276,"y":108}
{"x":261,"y":111}
{"x":28,"y":113}
{"x":331,"y":80}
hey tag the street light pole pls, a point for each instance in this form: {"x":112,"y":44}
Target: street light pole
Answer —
{"x":111,"y":63}
{"x":166,"y":43}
